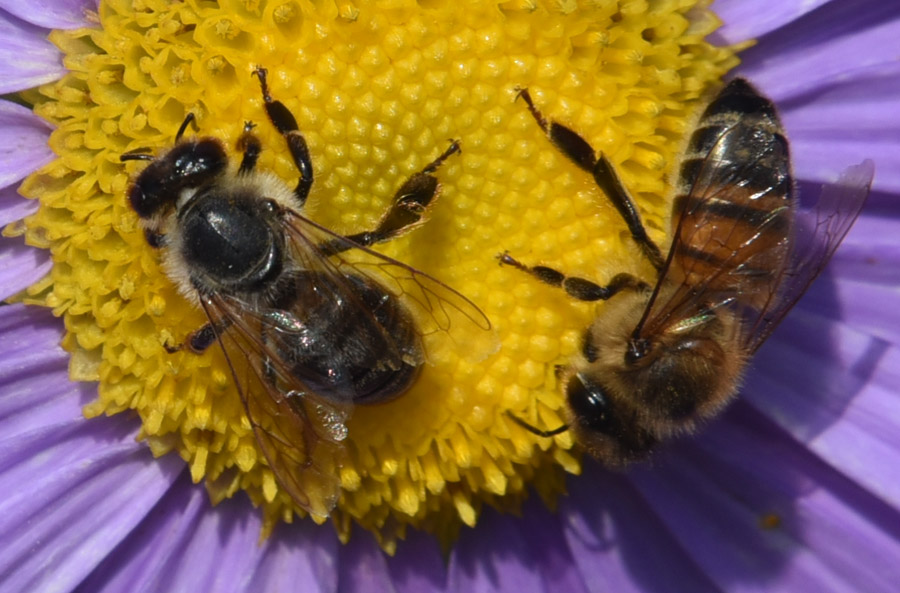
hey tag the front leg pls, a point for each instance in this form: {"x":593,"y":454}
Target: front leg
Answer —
{"x":578,"y":288}
{"x":284,"y":121}
{"x":249,"y":145}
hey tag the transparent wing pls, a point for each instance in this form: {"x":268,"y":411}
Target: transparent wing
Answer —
{"x":444,"y":318}
{"x":726,"y":248}
{"x":760,"y":263}
{"x":815,"y":239}
{"x":299,"y":433}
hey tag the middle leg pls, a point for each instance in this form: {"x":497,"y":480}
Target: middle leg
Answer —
{"x":578,"y":288}
{"x":409,"y":207}
{"x":576,"y":149}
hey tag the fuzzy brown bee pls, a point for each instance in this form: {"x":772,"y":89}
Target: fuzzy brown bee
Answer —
{"x":667,"y":354}
{"x":308,"y":332}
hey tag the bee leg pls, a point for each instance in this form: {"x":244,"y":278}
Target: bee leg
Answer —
{"x":577,"y":149}
{"x":268,"y":369}
{"x":284,"y":122}
{"x":535,"y":430}
{"x":249,"y":145}
{"x":608,"y":181}
{"x":198,"y":341}
{"x":407,"y":210}
{"x":189,"y":120}
{"x":578,"y":288}
{"x":138,"y":154}
{"x":410,"y":203}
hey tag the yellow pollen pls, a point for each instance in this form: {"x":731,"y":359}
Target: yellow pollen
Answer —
{"x":377,"y":88}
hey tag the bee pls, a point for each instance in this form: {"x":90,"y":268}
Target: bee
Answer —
{"x":308,"y":331}
{"x":665,"y":355}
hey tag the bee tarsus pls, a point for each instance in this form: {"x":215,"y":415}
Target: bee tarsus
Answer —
{"x":577,"y":288}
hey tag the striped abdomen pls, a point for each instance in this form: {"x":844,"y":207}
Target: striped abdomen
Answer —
{"x":732,"y":215}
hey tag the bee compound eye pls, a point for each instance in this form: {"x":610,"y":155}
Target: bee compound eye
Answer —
{"x":144,"y":206}
{"x":590,"y":405}
{"x":611,"y":431}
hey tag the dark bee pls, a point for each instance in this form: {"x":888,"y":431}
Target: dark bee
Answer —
{"x":666,"y":355}
{"x":312,"y":323}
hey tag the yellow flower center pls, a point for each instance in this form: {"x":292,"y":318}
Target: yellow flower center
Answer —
{"x":377,"y":88}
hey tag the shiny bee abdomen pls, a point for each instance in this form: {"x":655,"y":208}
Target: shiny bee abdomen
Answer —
{"x":735,"y":200}
{"x":361,"y":349}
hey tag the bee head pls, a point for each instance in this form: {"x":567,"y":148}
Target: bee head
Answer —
{"x":608,"y":426}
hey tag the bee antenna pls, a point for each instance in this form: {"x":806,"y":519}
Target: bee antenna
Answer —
{"x":537,"y":431}
{"x":189,"y":120}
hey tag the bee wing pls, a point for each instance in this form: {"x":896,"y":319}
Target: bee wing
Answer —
{"x":716,"y":251}
{"x":439,"y":311}
{"x":299,"y":433}
{"x":814,"y":242}
{"x":739,"y":250}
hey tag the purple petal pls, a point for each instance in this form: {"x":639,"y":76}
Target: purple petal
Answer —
{"x":363,"y":566}
{"x":837,"y":96}
{"x":24,"y":147}
{"x":757,"y":511}
{"x":519,"y":555}
{"x":20,"y":266}
{"x":145,"y":559}
{"x":418,"y":565}
{"x":828,"y":46}
{"x":302,"y":557}
{"x":744,"y":20}
{"x":73,"y":488}
{"x":185,"y":544}
{"x":836,"y":392}
{"x":28,"y":59}
{"x":619,"y":543}
{"x":821,"y":159}
{"x":840,"y":126}
{"x":14,"y":207}
{"x":865,"y":306}
{"x":52,"y":14}
{"x":858,"y":287}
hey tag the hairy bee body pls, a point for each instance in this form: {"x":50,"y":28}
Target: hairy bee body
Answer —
{"x":308,"y":332}
{"x":664,"y":355}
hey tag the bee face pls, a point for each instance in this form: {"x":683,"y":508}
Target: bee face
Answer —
{"x":308,"y":334}
{"x":603,"y":422}
{"x":668,"y":352}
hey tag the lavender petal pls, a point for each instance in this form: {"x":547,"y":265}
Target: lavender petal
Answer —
{"x":748,"y":20}
{"x":14,"y":207}
{"x":509,"y":554}
{"x":86,"y":482}
{"x":20,"y":266}
{"x":25,"y":142}
{"x":756,"y":510}
{"x":52,"y":14}
{"x":28,"y":59}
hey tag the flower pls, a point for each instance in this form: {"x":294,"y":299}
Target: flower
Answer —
{"x":786,"y":490}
